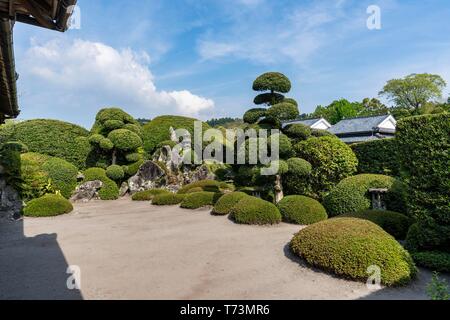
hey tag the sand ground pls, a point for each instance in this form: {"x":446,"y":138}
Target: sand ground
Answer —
{"x":133,"y":250}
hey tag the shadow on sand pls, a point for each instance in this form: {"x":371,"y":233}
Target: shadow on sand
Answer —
{"x":32,"y":268}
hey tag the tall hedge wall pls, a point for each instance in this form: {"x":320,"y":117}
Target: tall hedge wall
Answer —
{"x":423,"y":148}
{"x":54,"y":138}
{"x":377,"y":157}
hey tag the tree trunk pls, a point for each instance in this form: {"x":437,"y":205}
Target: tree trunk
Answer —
{"x":114,"y":157}
{"x":279,"y":195}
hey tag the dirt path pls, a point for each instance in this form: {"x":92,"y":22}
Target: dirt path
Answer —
{"x":133,"y":250}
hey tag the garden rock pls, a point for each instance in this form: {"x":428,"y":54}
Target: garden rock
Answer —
{"x":87,"y":191}
{"x":10,"y":202}
{"x":149,"y":176}
{"x":123,"y":189}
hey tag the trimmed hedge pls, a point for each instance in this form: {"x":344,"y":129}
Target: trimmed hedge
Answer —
{"x":423,"y":152}
{"x":394,"y":223}
{"x":301,"y":210}
{"x":200,"y":199}
{"x":148,"y":194}
{"x":115,"y":172}
{"x":62,"y":174}
{"x":283,"y":111}
{"x":206,"y":185}
{"x":298,"y":132}
{"x":168,"y":199}
{"x":286,"y":150}
{"x":54,"y":138}
{"x":49,"y":205}
{"x":252,"y":116}
{"x":110,"y":190}
{"x":227,"y":202}
{"x":352,"y":194}
{"x":435,"y":260}
{"x":332,"y":160}
{"x":348,"y":247}
{"x":377,"y":157}
{"x":252,"y":210}
{"x":125,"y":140}
{"x":158,"y":130}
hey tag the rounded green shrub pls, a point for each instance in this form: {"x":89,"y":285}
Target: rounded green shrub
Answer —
{"x":133,"y":168}
{"x":252,"y":210}
{"x":435,"y":260}
{"x":148,"y":195}
{"x":63,"y":175}
{"x":332,"y":160}
{"x":110,"y":190}
{"x":285,"y":145}
{"x":96,"y":138}
{"x":206,"y":185}
{"x":168,"y":199}
{"x":35,"y":180}
{"x":113,"y":124}
{"x":299,"y":167}
{"x":115,"y":172}
{"x":134,"y":157}
{"x":125,"y":140}
{"x":298,"y":132}
{"x":54,"y":138}
{"x":166,"y":143}
{"x":394,"y":223}
{"x":283,"y":111}
{"x":268,"y":99}
{"x":136,"y":128}
{"x":106,"y":144}
{"x":352,"y":194}
{"x":49,"y":205}
{"x":227,"y":202}
{"x":272,"y":81}
{"x":252,"y":116}
{"x":107,"y":117}
{"x":348,"y":247}
{"x":198,"y":200}
{"x":301,"y":210}
{"x":15,"y":146}
{"x":158,"y":130}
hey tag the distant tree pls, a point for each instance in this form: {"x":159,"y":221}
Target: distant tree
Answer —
{"x":414,"y":91}
{"x":276,"y":83}
{"x":143,"y":121}
{"x":373,"y":107}
{"x":222,"y":121}
{"x":339,"y":110}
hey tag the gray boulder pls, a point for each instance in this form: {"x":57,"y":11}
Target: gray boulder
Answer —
{"x":87,"y":191}
{"x":10,"y":202}
{"x":149,"y":176}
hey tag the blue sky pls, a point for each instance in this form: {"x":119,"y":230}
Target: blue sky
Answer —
{"x":199,"y":57}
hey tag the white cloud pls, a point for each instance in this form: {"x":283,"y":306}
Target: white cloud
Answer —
{"x":93,"y":69}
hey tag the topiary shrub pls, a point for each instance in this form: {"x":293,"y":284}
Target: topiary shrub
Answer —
{"x":297,"y":180}
{"x":227,"y":202}
{"x":377,"y":157}
{"x":352,"y":194}
{"x":125,"y":140}
{"x":115,"y":172}
{"x":301,"y":210}
{"x":206,"y":185}
{"x":423,"y":153}
{"x":110,"y":190}
{"x":168,"y":199}
{"x":435,"y":260}
{"x":298,"y":132}
{"x":348,"y":247}
{"x":54,"y":138}
{"x":251,"y":210}
{"x":394,"y":223}
{"x":148,"y":194}
{"x":252,"y":116}
{"x":285,"y":146}
{"x":283,"y":111}
{"x":158,"y":130}
{"x":200,"y":199}
{"x":332,"y":160}
{"x":49,"y":205}
{"x":63,"y":175}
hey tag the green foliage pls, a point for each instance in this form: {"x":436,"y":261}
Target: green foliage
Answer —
{"x":285,"y":145}
{"x":198,"y":200}
{"x":133,"y":168}
{"x":63,"y":175}
{"x":301,"y":210}
{"x":148,"y":194}
{"x":115,"y":172}
{"x":106,"y":144}
{"x":299,"y":167}
{"x":109,"y":191}
{"x":414,"y":91}
{"x":214,"y":123}
{"x":332,"y":161}
{"x":338,"y":110}
{"x":283,"y":111}
{"x":352,"y":194}
{"x":272,"y":81}
{"x":438,"y":289}
{"x":106,"y":117}
{"x":207,"y":185}
{"x":111,"y":125}
{"x":168,"y":199}
{"x":166,"y":143}
{"x":298,"y":132}
{"x":252,"y":116}
{"x":423,"y":153}
{"x":348,"y":247}
{"x":49,"y":205}
{"x":291,"y":101}
{"x":394,"y":223}
{"x":136,"y":128}
{"x":158,"y":130}
{"x":35,"y":180}
{"x":378,"y":157}
{"x":125,"y":140}
{"x":10,"y":161}
{"x":134,"y":157}
{"x":227,"y":202}
{"x":54,"y":138}
{"x":251,"y":210}
{"x":434,"y":260}
{"x":15,"y":146}
{"x":268,"y":99}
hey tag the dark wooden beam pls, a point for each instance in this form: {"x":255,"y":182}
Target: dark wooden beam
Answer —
{"x":38,"y":14}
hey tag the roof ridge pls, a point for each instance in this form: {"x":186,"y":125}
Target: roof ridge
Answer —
{"x":368,"y":117}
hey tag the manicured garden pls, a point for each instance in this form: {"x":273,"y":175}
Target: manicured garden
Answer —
{"x":322,"y":183}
